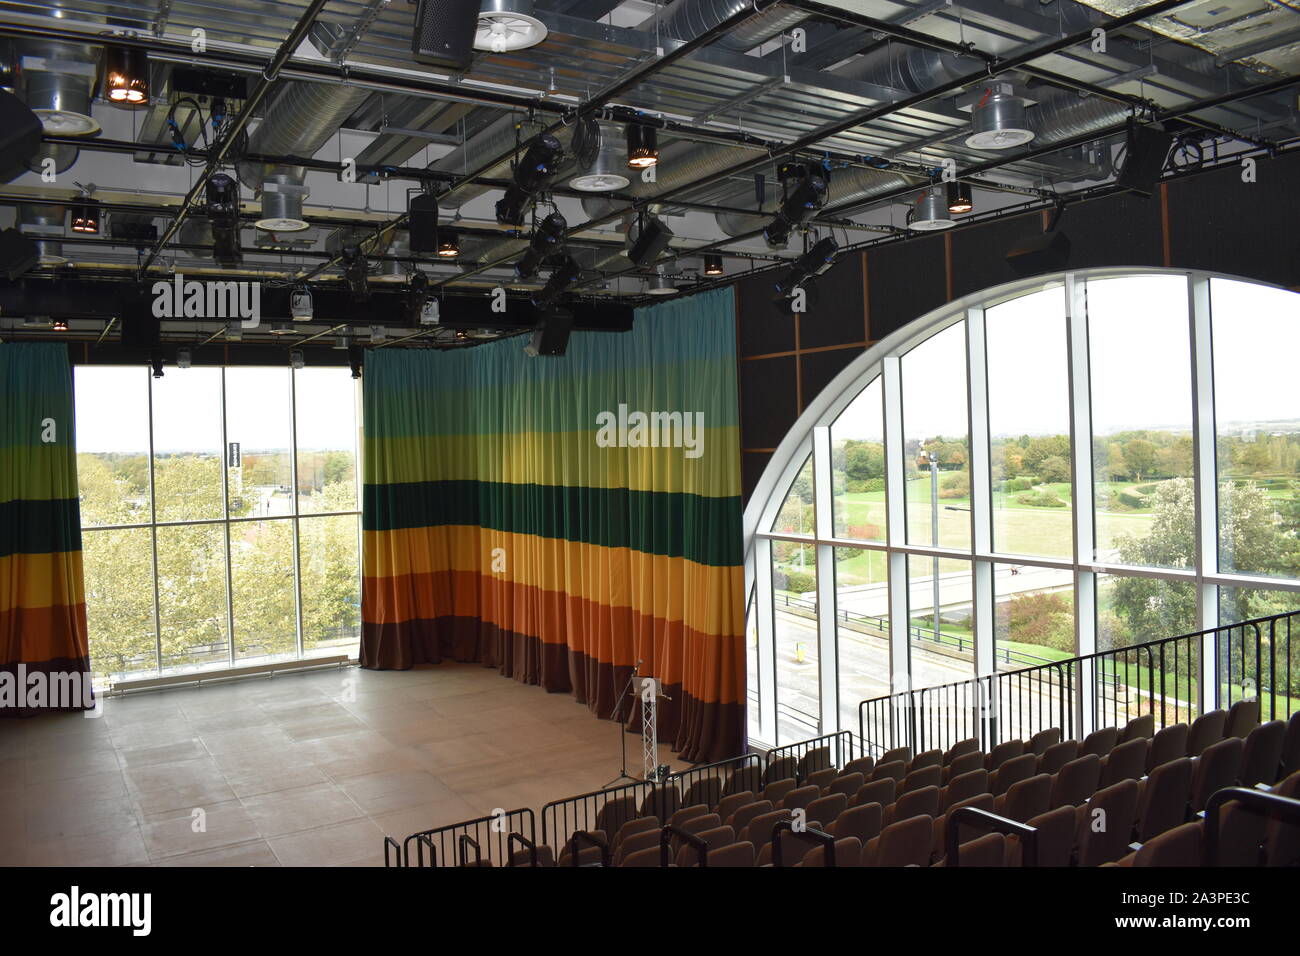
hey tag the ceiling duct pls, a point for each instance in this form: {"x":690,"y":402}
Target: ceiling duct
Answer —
{"x":302,"y":119}
{"x":1069,"y":115}
{"x":898,"y":66}
{"x":601,"y":159}
{"x":56,"y":81}
{"x":687,"y":19}
{"x":998,"y":121}
{"x":44,"y":226}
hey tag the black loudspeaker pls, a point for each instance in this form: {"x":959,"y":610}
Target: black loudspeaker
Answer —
{"x":551,"y":337}
{"x":1145,"y":151}
{"x":140,"y":327}
{"x":422,"y":218}
{"x":20,"y":136}
{"x":1046,"y":252}
{"x":652,"y":238}
{"x":17,"y":254}
{"x":444,"y":32}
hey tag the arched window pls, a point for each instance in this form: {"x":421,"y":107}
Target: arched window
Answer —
{"x":1043,"y":469}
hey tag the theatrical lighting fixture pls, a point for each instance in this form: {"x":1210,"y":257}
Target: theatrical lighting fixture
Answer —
{"x":642,"y":146}
{"x":564,"y":275}
{"x":234,"y":332}
{"x":156,"y":361}
{"x":354,"y":271}
{"x":356,"y":356}
{"x":998,"y":121}
{"x":222,"y":207}
{"x":296,"y":359}
{"x":816,"y":261}
{"x":378,"y":334}
{"x":85,"y":218}
{"x":448,"y":243}
{"x":281,"y":328}
{"x":930,"y":212}
{"x":547,"y":240}
{"x":417,"y":298}
{"x":300,"y":305}
{"x":342,"y":340}
{"x":184,"y":358}
{"x":126,"y":76}
{"x":805,"y":193}
{"x":430,"y":312}
{"x":712,"y":265}
{"x":533,"y":173}
{"x":59,"y":325}
{"x":960,"y":198}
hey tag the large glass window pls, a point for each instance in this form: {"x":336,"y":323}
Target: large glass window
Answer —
{"x":798,"y":679}
{"x":936,"y":447}
{"x":861,"y":628}
{"x":858,"y":463}
{"x":195,"y":555}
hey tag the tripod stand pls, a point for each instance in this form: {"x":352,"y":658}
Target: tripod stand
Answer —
{"x":622,"y":731}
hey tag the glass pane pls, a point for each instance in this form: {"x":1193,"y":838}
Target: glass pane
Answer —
{"x":1029,"y":425}
{"x":192,"y":596}
{"x":1133,"y":610}
{"x":1257,"y":414}
{"x":263,"y":598}
{"x":861,"y":628}
{"x":119,"y":601}
{"x":187,"y":444}
{"x":325,"y":400}
{"x":858,"y":467}
{"x":258,"y":436}
{"x":331,"y":587}
{"x":112,"y":408}
{"x":752,"y":686}
{"x":940,"y":627}
{"x":1276,"y":681}
{"x":1033,"y":616}
{"x":1142,"y":420}
{"x":796,"y":514}
{"x":936,"y":456}
{"x":798,"y":687}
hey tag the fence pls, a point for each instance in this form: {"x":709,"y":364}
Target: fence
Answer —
{"x":483,"y":841}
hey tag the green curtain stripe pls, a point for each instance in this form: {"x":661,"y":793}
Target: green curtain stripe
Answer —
{"x":703,"y":530}
{"x":36,"y":402}
{"x":39,"y":472}
{"x":39,"y":527}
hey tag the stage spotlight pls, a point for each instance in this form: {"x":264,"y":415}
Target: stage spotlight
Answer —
{"x":85,"y":218}
{"x":642,"y":146}
{"x":156,"y":362}
{"x":281,"y":328}
{"x":354,"y":272}
{"x":448,"y":243}
{"x":811,"y":264}
{"x":184,"y":358}
{"x":223,"y":213}
{"x":300,"y":305}
{"x":126,"y":76}
{"x":59,"y":325}
{"x":960,"y":198}
{"x":532,"y":174}
{"x":296,"y":358}
{"x":806,"y":190}
{"x":547,"y":240}
{"x":712,"y":265}
{"x":563,"y":276}
{"x":417,"y":296}
{"x":356,"y":356}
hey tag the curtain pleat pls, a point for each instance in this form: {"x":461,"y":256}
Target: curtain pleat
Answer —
{"x":498,"y":528}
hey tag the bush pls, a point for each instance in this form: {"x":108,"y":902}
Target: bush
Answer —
{"x":1145,"y":489}
{"x":954,"y":484}
{"x":1131,"y":498}
{"x":865,"y":532}
{"x":1019,"y":484}
{"x":799,"y":582}
{"x":1041,"y":499}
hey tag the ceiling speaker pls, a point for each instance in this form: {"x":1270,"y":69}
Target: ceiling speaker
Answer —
{"x":1145,"y":151}
{"x":18,"y":254}
{"x":444,"y":32}
{"x":20,"y":136}
{"x":551,"y":337}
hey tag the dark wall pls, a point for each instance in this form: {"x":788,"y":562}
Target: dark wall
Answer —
{"x":1210,"y":221}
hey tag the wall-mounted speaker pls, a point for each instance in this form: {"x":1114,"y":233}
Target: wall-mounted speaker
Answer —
{"x":1145,"y":151}
{"x":444,"y":32}
{"x":17,"y":254}
{"x":1046,"y":252}
{"x":422,"y":218}
{"x":140,"y":327}
{"x":551,"y":337}
{"x":650,"y":239}
{"x":20,"y":136}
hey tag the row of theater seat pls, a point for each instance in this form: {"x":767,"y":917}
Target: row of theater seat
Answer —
{"x":894,"y":811}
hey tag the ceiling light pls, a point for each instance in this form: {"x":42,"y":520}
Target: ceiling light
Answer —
{"x":282,"y":205}
{"x":642,"y":148}
{"x":805,"y":189}
{"x":296,"y":358}
{"x":533,"y":173}
{"x":59,"y":325}
{"x":85,"y":218}
{"x":377,"y":334}
{"x":126,"y":76}
{"x":355,"y":268}
{"x":300,"y":305}
{"x":713,"y":265}
{"x":960,"y":198}
{"x":156,"y":362}
{"x":342,"y":340}
{"x":281,"y":328}
{"x":930,"y":212}
{"x":998,"y":121}
{"x":660,"y":285}
{"x":448,"y":243}
{"x":547,"y":240}
{"x":184,"y":358}
{"x":505,"y":25}
{"x":222,"y":206}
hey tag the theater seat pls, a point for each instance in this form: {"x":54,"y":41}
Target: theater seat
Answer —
{"x":1205,"y":730}
{"x":848,"y":852}
{"x":1262,"y":754}
{"x":1243,"y":717}
{"x":1106,"y":824}
{"x":1180,"y":846}
{"x":905,"y":843}
{"x":1168,"y":744}
{"x":1162,"y":803}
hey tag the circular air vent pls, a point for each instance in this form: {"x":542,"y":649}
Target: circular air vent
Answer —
{"x":500,"y":31}
{"x":67,"y":123}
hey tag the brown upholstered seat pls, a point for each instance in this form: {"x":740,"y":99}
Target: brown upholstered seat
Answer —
{"x":848,"y":852}
{"x":894,"y":770}
{"x":741,"y":816}
{"x":733,"y":802}
{"x":1206,"y":729}
{"x":1074,"y":783}
{"x":1263,"y":754}
{"x":1243,"y":717}
{"x":963,"y":763}
{"x":706,"y":790}
{"x":1291,"y":747}
{"x":800,"y":797}
{"x":904,"y":843}
{"x":1168,"y":744}
{"x":1162,"y":804}
{"x":783,"y":768}
{"x":1127,"y":761}
{"x":1012,"y":772}
{"x":1057,"y":756}
{"x":1180,"y":846}
{"x":1139,"y":728}
{"x":878,"y":791}
{"x":1106,"y":824}
{"x":962,"y":787}
{"x":924,"y":801}
{"x":968,"y":746}
{"x":1215,"y":769}
{"x":1055,"y":838}
{"x":862,"y":765}
{"x":1002,"y":753}
{"x":1039,"y":743}
{"x":863,"y":822}
{"x":1027,"y":798}
{"x":1100,"y":742}
{"x":931,"y":758}
{"x":930,"y":776}
{"x":898,"y":753}
{"x":777,"y":790}
{"x":734,"y":854}
{"x":846,"y":783}
{"x":828,"y":808}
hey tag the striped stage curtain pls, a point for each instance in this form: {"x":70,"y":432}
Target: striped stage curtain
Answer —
{"x":43,"y":640}
{"x":518,"y":512}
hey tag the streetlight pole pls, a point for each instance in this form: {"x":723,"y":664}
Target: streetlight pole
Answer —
{"x":933,"y":461}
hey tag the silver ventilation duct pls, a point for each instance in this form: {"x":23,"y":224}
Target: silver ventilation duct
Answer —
{"x":56,"y":81}
{"x":1068,"y":115}
{"x":44,"y":225}
{"x":302,"y":119}
{"x":909,"y":68}
{"x":687,"y":19}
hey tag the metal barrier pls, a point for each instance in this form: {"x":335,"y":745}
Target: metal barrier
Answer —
{"x":488,"y":836}
{"x":993,"y":823}
{"x":839,"y":744}
{"x":787,"y":826}
{"x":1272,"y":804}
{"x":665,"y":852}
{"x":575,"y":853}
{"x":1107,"y":688}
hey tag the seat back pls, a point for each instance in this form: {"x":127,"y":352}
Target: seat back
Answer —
{"x":637,"y":842}
{"x":898,"y":753}
{"x":1074,"y":783}
{"x":662,"y":802}
{"x":740,"y":818}
{"x":706,"y":790}
{"x":931,"y":758}
{"x":939,"y":835}
{"x":963,"y":763}
{"x":1263,"y":754}
{"x":730,"y":804}
{"x":964,"y":786}
{"x":1012,"y":772}
{"x":1217,"y":767}
{"x":1042,"y":740}
{"x":930,"y":776}
{"x":878,"y":791}
{"x":1106,"y":825}
{"x":847,"y":784}
{"x":1139,"y":728}
{"x":689,"y":855}
{"x":1163,"y":802}
{"x":1055,"y":837}
{"x":1028,"y":798}
{"x":1243,"y":717}
{"x":821,"y":779}
{"x":1180,"y":846}
{"x":1128,"y":761}
{"x":777,"y":790}
{"x":904,"y":843}
{"x":783,"y":768}
{"x":987,"y":850}
{"x":1057,"y":756}
{"x":707,"y":821}
{"x":1168,"y":744}
{"x":1206,"y":729}
{"x":848,"y":852}
{"x":734,"y":854}
{"x":1100,"y":742}
{"x":633,"y":827}
{"x":1282,"y":837}
{"x":919,"y":802}
{"x":687,"y":813}
{"x":894,"y":770}
{"x":615,"y":813}
{"x":1003,"y":752}
{"x":828,"y":808}
{"x":819,"y":758}
{"x":651,"y":856}
{"x":970,"y":745}
{"x":759,"y":829}
{"x":863,"y":822}
{"x":1291,"y":747}
{"x":862,"y":765}
{"x":746,"y":778}
{"x":800,"y":797}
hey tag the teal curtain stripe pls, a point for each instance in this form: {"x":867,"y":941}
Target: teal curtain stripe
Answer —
{"x":700,"y":529}
{"x":35,"y":385}
{"x":39,"y":527}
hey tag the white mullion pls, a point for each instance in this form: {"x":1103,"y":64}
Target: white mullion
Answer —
{"x":1085,"y":580}
{"x":896,"y":523}
{"x":1205,"y":482}
{"x":824,"y":525}
{"x":981,"y":492}
{"x":765,"y":609}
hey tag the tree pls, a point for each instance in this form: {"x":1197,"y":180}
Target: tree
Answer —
{"x":1045,"y":447}
{"x":1037,"y":618}
{"x":1054,"y":469}
{"x":1140,"y":457}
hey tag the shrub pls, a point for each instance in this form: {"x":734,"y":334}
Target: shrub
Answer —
{"x":799,"y":582}
{"x":1145,"y":489}
{"x":955,"y":484}
{"x":1132,"y":498}
{"x":1019,"y":484}
{"x":1041,"y":499}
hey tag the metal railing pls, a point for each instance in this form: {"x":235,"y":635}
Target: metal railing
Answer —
{"x":1267,"y":804}
{"x":488,"y":838}
{"x":991,"y":823}
{"x":1162,"y":678}
{"x":839,"y":745}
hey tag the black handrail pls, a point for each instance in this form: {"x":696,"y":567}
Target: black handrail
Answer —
{"x":397,"y":847}
{"x":421,"y":841}
{"x":670,"y":831}
{"x":787,"y":826}
{"x":594,"y":840}
{"x":1270,"y":803}
{"x":994,"y":823}
{"x":527,"y":844}
{"x":466,"y":839}
{"x":489,"y":834}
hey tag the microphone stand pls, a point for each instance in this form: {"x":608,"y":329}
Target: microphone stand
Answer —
{"x":622,"y":731}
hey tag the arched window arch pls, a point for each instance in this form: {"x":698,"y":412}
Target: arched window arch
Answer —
{"x":1050,"y":467}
